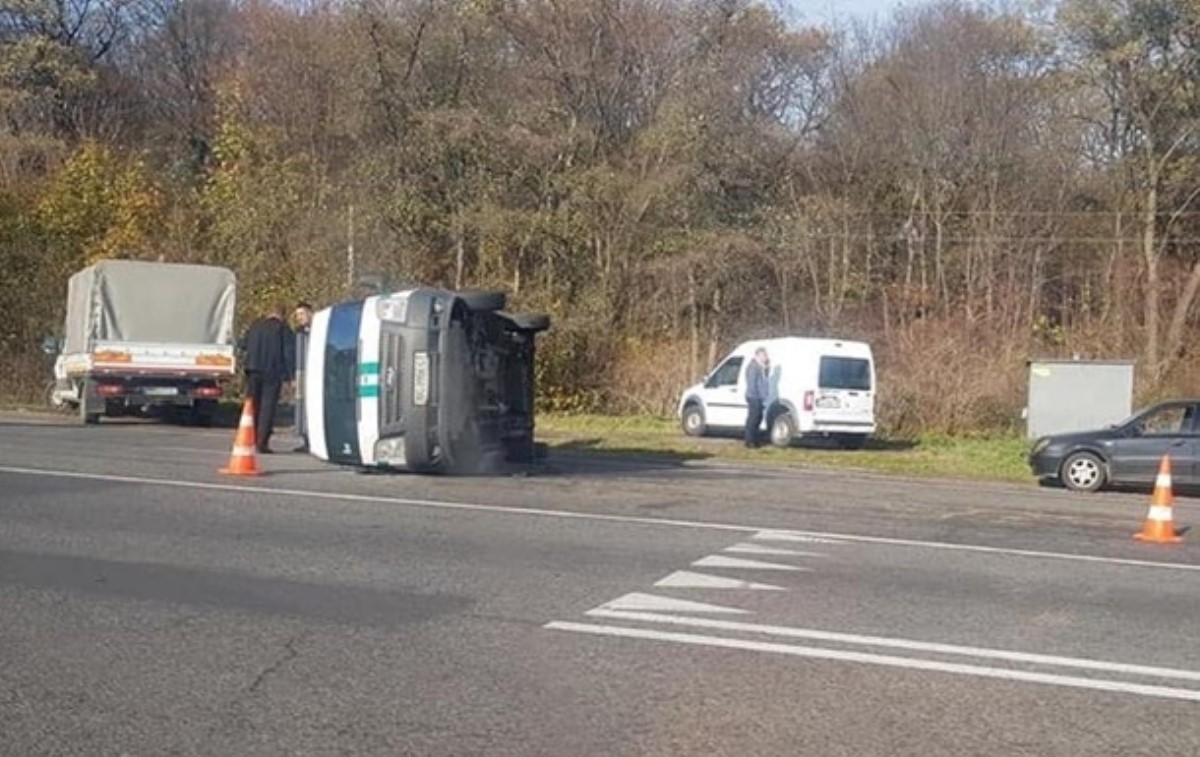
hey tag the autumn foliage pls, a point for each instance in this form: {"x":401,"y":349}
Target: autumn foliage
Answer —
{"x":965,"y":186}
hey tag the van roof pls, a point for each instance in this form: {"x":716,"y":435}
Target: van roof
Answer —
{"x":808,"y":344}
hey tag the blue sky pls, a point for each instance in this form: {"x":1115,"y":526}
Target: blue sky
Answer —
{"x":820,"y":10}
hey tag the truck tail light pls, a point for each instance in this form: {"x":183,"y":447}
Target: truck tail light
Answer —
{"x":109,"y":390}
{"x":808,"y":401}
{"x":208,"y":392}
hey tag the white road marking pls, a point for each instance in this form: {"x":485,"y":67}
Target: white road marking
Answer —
{"x":805,"y":537}
{"x":747,"y":548}
{"x":721,"y":561}
{"x":682,"y":579}
{"x":1097,"y":684}
{"x":907,"y":644}
{"x":760,"y":532}
{"x":638,"y":603}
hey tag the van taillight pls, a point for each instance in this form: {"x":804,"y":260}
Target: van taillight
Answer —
{"x":808,"y":401}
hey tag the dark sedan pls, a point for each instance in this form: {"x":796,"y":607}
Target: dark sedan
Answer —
{"x":1128,"y":452}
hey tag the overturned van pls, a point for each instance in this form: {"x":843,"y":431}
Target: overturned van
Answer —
{"x":425,"y":380}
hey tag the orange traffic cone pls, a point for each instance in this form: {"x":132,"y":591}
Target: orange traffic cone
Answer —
{"x":1159,"y":528}
{"x":242,"y":460}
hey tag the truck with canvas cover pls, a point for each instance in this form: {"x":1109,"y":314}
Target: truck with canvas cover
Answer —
{"x":142,"y":335}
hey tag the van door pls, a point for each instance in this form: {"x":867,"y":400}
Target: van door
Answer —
{"x":845,"y":395}
{"x":724,"y":400}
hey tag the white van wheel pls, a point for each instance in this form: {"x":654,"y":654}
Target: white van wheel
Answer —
{"x":783,"y":430}
{"x":693,"y":420}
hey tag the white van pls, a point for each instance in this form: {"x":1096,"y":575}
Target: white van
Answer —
{"x":425,"y":380}
{"x":819,"y":387}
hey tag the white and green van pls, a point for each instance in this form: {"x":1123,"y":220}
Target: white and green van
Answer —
{"x":424,"y":380}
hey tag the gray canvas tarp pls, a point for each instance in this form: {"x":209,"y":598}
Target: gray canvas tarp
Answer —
{"x":135,"y":301}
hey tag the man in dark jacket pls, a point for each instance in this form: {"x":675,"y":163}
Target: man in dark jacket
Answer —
{"x":303,"y":316}
{"x":758,"y":388}
{"x":269,"y":349}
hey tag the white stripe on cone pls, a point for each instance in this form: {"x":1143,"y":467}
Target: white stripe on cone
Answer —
{"x":1160,"y":513}
{"x":1163,"y":480}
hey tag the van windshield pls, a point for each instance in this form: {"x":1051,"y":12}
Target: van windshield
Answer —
{"x":845,"y":373}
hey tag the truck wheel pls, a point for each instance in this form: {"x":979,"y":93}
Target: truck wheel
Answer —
{"x":202,"y":413}
{"x":88,"y":418}
{"x":52,"y":399}
{"x":482,"y":300}
{"x":783,"y":430}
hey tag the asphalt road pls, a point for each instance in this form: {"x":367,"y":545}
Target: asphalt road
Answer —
{"x":601,"y":606}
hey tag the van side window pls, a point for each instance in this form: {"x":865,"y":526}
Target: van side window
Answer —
{"x":727,"y":374}
{"x":845,"y":373}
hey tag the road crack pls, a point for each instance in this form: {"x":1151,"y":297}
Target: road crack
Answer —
{"x":289,"y":653}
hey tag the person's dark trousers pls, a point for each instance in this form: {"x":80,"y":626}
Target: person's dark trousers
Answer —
{"x":265,"y":393}
{"x":754,"y":416}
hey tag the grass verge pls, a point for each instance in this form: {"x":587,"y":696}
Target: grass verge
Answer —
{"x":994,"y":458}
{"x":980,"y":458}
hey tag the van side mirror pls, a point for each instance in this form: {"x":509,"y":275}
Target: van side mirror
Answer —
{"x":51,"y":345}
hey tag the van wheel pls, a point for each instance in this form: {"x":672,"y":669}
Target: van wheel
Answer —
{"x":482,"y":300}
{"x":783,"y":430}
{"x":531,"y":321}
{"x":693,"y":420}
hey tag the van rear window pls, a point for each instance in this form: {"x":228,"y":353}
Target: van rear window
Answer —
{"x":845,"y":373}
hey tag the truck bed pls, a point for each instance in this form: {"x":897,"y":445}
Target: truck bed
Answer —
{"x":152,"y":359}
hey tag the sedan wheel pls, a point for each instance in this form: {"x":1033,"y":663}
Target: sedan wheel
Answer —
{"x":1083,"y":472}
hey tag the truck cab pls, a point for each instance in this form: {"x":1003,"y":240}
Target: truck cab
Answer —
{"x":425,"y":380}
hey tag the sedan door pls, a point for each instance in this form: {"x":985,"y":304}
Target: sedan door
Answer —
{"x":1170,"y":429}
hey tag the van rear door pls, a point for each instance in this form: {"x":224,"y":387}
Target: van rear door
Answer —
{"x":845,"y":394}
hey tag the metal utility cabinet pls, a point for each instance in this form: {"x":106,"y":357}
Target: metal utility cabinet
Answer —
{"x":1077,"y":395}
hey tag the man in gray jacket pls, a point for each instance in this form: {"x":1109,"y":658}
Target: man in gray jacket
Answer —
{"x":303,"y":316}
{"x":758,"y":388}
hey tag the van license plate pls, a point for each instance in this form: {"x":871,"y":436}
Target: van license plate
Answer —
{"x":828,"y":402}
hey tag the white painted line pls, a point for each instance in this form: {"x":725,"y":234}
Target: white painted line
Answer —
{"x":747,"y":548}
{"x":759,"y":532}
{"x":682,"y":579}
{"x":1096,"y":684}
{"x":805,"y":537}
{"x":638,"y":603}
{"x":907,"y":644}
{"x":721,"y":561}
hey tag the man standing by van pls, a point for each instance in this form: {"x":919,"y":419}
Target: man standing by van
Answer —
{"x":268,"y":349}
{"x":303,"y":317}
{"x":758,"y":387}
